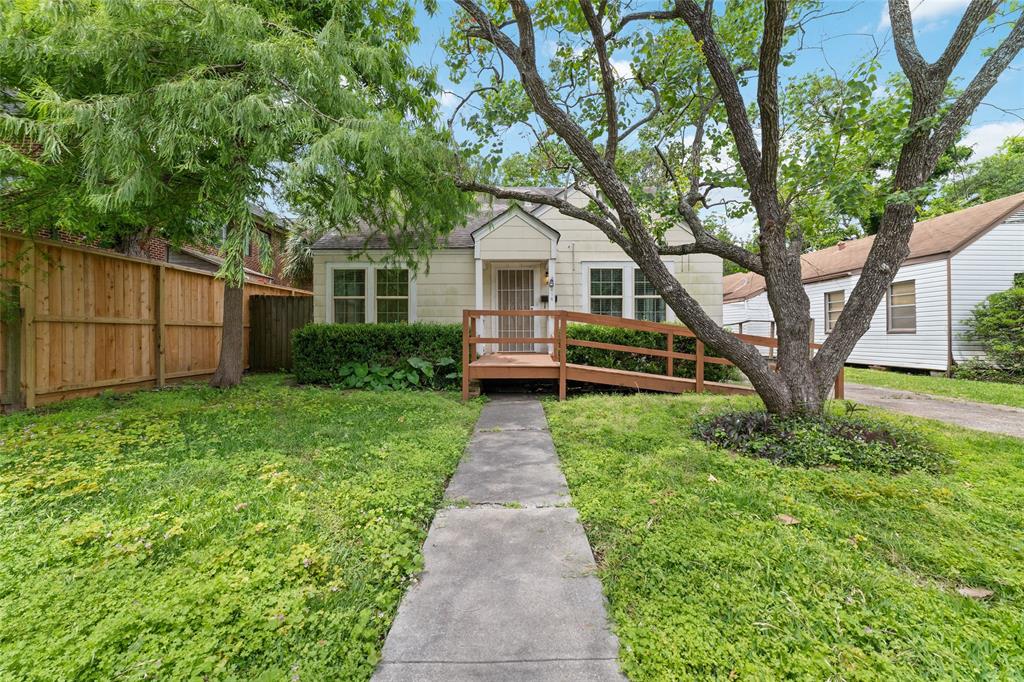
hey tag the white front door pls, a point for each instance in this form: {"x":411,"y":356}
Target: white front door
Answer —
{"x":516,"y":290}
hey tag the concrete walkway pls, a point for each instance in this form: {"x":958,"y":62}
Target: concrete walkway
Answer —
{"x":508,"y":589}
{"x":999,"y":419}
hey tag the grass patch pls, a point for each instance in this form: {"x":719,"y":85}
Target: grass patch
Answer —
{"x":719,"y":566}
{"x":831,"y":441}
{"x":266,"y":532}
{"x":978,"y":391}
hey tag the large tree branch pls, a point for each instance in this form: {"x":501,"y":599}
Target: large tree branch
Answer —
{"x":768,"y":92}
{"x":977,"y":12}
{"x":703,"y":241}
{"x":611,"y":109}
{"x":980,"y":86}
{"x":536,"y":197}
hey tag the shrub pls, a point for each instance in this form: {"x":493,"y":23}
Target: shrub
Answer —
{"x":979,"y":369}
{"x":639,"y":363}
{"x":998,"y":324}
{"x":378,"y":355}
{"x":851,"y":442}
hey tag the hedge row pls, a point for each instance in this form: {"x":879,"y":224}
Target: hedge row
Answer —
{"x":325,"y":353}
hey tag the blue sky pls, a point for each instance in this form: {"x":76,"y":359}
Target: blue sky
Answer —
{"x":839,"y":41}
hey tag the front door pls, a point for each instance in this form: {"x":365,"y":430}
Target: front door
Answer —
{"x":516,"y":292}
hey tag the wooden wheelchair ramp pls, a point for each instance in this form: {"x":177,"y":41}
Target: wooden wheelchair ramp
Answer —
{"x":548,"y":361}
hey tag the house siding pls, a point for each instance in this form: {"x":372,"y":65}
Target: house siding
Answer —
{"x":982,"y":268}
{"x":924,"y":349}
{"x":443,"y":289}
{"x":756,"y":309}
{"x":516,"y":241}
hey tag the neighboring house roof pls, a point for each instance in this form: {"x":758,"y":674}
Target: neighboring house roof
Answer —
{"x":459,"y":238}
{"x":216,"y":261}
{"x":931,"y":239}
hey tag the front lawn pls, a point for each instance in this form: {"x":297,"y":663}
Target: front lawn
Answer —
{"x":266,"y":532}
{"x":709,"y":574}
{"x":979,"y":391}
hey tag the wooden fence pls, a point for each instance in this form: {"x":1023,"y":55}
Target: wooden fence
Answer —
{"x":78,"y":321}
{"x":272,"y":319}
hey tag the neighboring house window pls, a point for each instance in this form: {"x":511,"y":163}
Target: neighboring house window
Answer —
{"x":606,"y":291}
{"x":350,"y":295}
{"x":902,"y":307}
{"x":834,"y":301}
{"x":647,"y":304}
{"x":392,"y":295}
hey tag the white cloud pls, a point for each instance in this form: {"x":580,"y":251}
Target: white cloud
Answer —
{"x":986,"y":138}
{"x":924,"y":11}
{"x":623,"y":68}
{"x":448,"y":99}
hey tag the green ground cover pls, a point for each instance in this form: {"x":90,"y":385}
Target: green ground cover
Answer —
{"x":266,"y":532}
{"x":719,"y":566}
{"x":978,"y":391}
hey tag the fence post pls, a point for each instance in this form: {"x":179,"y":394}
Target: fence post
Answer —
{"x":840,"y":387}
{"x":670,"y":346}
{"x":161,"y":329}
{"x":27,"y":277}
{"x":700,"y":366}
{"x":465,"y":355}
{"x":562,"y":356}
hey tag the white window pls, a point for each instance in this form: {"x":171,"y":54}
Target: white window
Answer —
{"x":367,"y":293}
{"x":622,"y":290}
{"x":350,"y":295}
{"x":647,"y":304}
{"x":606,"y":291}
{"x":393,"y":295}
{"x":834,"y":301}
{"x":902,"y":313}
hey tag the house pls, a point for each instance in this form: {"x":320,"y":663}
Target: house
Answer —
{"x":507,"y":256}
{"x":955,"y":262}
{"x":205,"y":256}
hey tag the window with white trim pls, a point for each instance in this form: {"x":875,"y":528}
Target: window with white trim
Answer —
{"x":392,"y":295}
{"x":606,"y":291}
{"x":363,"y":294}
{"x":902,"y":308}
{"x":647,"y":303}
{"x":621,"y":289}
{"x":834,"y":302}
{"x":349,"y":295}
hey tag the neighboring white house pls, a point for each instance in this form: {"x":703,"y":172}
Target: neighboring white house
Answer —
{"x":955,"y":262}
{"x":508,"y":256}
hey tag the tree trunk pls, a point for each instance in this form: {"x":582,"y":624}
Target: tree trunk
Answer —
{"x":229,"y":369}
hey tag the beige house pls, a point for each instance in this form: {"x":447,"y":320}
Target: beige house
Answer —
{"x":508,"y":256}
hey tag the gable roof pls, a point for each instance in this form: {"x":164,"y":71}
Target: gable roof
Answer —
{"x":932,"y":238}
{"x":459,"y":238}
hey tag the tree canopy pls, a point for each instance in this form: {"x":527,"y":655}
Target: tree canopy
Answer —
{"x":128,"y":115}
{"x":991,"y":178}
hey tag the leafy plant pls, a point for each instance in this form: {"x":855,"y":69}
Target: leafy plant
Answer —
{"x":856,"y":443}
{"x":997,"y":323}
{"x":266,"y":533}
{"x":409,"y":373}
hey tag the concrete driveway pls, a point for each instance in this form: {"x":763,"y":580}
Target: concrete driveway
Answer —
{"x":999,"y":419}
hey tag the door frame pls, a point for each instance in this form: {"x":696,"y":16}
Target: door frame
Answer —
{"x":536,"y":268}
